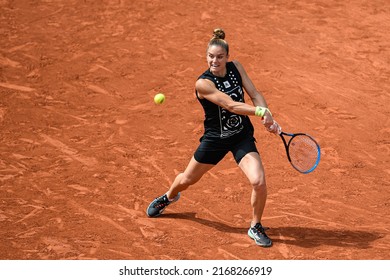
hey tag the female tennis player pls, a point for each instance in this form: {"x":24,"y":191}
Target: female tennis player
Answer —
{"x":227,"y":128}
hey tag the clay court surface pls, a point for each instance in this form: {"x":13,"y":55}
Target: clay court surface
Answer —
{"x":84,"y":149}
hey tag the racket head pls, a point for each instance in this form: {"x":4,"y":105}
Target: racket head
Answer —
{"x":303,"y":152}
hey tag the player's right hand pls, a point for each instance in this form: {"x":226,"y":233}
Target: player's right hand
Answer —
{"x":275,"y":128}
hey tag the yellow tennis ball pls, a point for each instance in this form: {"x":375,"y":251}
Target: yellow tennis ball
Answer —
{"x":159,"y":98}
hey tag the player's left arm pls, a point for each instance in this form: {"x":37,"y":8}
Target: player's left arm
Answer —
{"x":256,"y":96}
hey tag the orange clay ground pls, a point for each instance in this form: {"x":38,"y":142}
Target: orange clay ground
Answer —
{"x":84,"y":149}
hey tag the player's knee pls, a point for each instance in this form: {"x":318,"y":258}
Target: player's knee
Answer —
{"x":259,"y":184}
{"x":187,"y":180}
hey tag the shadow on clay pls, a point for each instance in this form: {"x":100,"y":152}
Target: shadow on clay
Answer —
{"x":314,"y":237}
{"x":297,"y":236}
{"x":214,"y":224}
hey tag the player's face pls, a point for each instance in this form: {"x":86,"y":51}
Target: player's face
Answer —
{"x":217,"y":59}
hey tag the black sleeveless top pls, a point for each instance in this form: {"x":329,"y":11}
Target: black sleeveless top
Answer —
{"x":219,"y":123}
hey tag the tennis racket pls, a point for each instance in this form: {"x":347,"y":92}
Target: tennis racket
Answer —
{"x":302,"y":150}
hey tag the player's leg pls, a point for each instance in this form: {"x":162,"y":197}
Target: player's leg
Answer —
{"x":206,"y":157}
{"x":252,"y":167}
{"x":192,"y":174}
{"x":249,"y":161}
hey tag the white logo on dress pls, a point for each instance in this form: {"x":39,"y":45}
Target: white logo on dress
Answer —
{"x":226,"y":84}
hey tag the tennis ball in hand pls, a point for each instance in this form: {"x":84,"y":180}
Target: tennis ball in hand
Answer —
{"x":159,"y":98}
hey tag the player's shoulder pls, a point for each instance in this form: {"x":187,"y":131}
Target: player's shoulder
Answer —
{"x":202,"y":82}
{"x":240,"y":68}
{"x":237,"y":64}
{"x":206,"y":76}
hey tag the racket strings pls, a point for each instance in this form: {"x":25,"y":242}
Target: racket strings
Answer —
{"x":304,"y":153}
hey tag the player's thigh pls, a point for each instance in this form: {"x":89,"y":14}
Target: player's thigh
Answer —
{"x":195,"y":170}
{"x":253,"y":168}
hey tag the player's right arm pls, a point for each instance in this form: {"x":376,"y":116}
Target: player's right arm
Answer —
{"x":207,"y":90}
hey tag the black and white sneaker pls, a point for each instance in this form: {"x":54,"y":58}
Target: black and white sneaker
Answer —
{"x":257,"y":233}
{"x":159,"y":204}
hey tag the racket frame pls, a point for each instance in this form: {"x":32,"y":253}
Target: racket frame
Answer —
{"x":287,"y":146}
